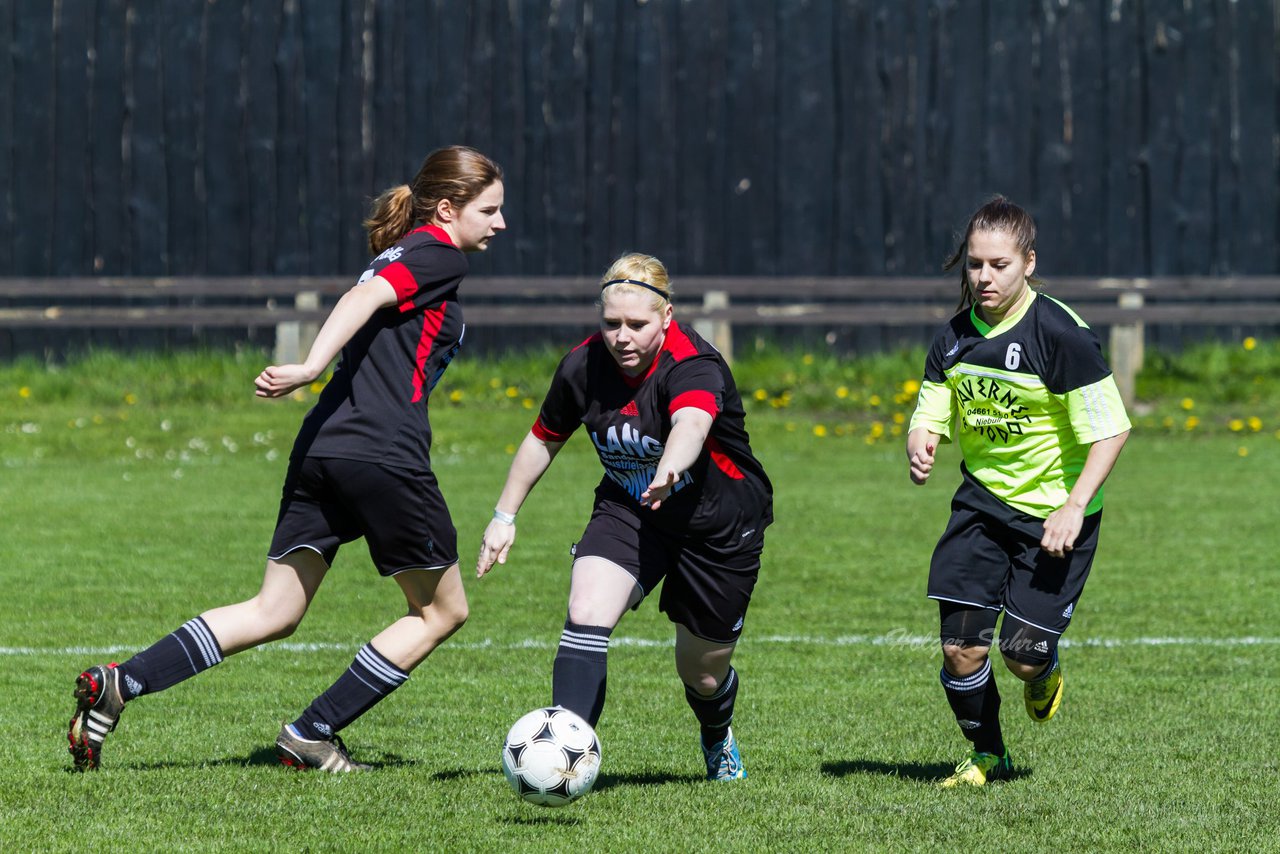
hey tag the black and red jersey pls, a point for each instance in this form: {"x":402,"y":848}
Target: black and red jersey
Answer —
{"x":375,"y":407}
{"x":628,"y":420}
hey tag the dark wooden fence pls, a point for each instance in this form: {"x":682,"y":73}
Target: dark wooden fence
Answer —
{"x":729,"y":137}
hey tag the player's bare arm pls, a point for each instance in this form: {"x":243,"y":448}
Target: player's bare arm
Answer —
{"x":351,"y":313}
{"x":1063,"y":525}
{"x":921,"y":444}
{"x":532,"y":460}
{"x":689,"y":429}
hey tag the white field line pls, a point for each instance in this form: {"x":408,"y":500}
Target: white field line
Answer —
{"x":892,"y":639}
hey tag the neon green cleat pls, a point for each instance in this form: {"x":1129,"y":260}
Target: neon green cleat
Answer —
{"x":1043,"y":696}
{"x":977,"y":768}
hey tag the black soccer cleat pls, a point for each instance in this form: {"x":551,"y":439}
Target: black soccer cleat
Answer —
{"x":98,"y":706}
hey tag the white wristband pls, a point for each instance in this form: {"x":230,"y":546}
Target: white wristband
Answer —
{"x":505,"y":518}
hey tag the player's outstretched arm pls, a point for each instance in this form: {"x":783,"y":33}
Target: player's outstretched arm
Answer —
{"x":689,"y":429}
{"x":531,"y":461}
{"x":352,"y":312}
{"x":921,"y":443}
{"x":1063,"y":525}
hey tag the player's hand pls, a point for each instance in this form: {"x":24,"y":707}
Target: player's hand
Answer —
{"x":1061,"y":528}
{"x":280,"y":380}
{"x":495,"y":546}
{"x":921,"y":460}
{"x":660,"y":490}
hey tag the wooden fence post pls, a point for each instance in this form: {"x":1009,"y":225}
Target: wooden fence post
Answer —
{"x":294,"y":337}
{"x":718,"y":332}
{"x":1127,"y":341}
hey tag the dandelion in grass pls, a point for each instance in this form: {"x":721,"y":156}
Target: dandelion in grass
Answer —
{"x":842,"y":392}
{"x":877,"y":430}
{"x":819,"y":430}
{"x":527,"y":403}
{"x":1235,"y":425}
{"x":455,"y":396}
{"x":495,"y":383}
{"x":1188,"y":404}
{"x":510,"y":449}
{"x":1255,"y":423}
{"x":1167,"y":422}
{"x":911,"y":387}
{"x":1250,"y":343}
{"x":1242,"y":451}
{"x":24,"y":392}
{"x":1191,"y":423}
{"x":807,"y":358}
{"x":512,"y":391}
{"x":760,"y":395}
{"x":874,"y":400}
{"x":899,"y":418}
{"x":316,"y":387}
{"x":130,"y":399}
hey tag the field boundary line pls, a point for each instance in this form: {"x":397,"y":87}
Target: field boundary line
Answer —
{"x":892,"y":639}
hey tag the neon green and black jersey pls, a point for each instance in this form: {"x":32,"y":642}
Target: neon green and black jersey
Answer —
{"x":1024,"y":399}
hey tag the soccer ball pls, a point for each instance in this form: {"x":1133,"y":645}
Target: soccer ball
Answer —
{"x":551,"y":757}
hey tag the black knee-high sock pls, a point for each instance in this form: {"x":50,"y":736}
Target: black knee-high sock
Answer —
{"x":976,"y":703}
{"x":183,"y":653}
{"x":714,"y":713}
{"x":369,"y":678}
{"x":581,"y":670}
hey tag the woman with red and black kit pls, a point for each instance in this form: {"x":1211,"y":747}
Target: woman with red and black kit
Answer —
{"x":682,"y":499}
{"x":360,"y":467}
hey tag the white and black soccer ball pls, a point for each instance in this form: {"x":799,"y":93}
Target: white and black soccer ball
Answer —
{"x":551,"y":757}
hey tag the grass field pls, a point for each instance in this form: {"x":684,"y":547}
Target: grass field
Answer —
{"x":135,"y":498}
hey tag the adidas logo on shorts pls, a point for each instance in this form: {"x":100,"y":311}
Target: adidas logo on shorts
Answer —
{"x":1067,"y":613}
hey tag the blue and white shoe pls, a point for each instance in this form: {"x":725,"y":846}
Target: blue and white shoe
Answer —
{"x":723,"y":760}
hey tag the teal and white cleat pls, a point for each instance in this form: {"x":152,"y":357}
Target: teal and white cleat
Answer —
{"x":723,"y":760}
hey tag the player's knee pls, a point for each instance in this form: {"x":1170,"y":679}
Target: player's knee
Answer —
{"x":1027,"y":649}
{"x":961,"y":660}
{"x":449,"y":613}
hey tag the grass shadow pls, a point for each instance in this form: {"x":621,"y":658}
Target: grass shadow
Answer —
{"x":609,"y":781}
{"x":919,"y":772}
{"x":266,"y":756}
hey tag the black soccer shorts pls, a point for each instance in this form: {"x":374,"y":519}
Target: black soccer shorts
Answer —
{"x":989,"y":556}
{"x":400,"y":513}
{"x":708,"y":584}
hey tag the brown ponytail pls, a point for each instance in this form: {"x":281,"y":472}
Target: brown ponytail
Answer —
{"x":390,"y":219}
{"x":456,"y":173}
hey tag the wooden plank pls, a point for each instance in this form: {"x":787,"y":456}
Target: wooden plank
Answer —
{"x":8,"y":153}
{"x":821,"y":315}
{"x":564,"y":116}
{"x":72,"y":34}
{"x":962,"y":174}
{"x":688,"y":289}
{"x":320,"y":34}
{"x":147,"y":184}
{"x":386,"y":93}
{"x":1198,"y":106}
{"x":261,"y":120}
{"x":507,"y":120}
{"x":604,"y":135}
{"x":753,"y":145}
{"x":1009,"y":93}
{"x":658,"y":166}
{"x":354,"y":177}
{"x":179,"y":34}
{"x":1247,"y":219}
{"x":226,"y":178}
{"x":290,"y":252}
{"x":701,"y":185}
{"x":859,"y":200}
{"x":32,"y":173}
{"x":1164,"y":139}
{"x":1125,"y":198}
{"x":805,"y":121}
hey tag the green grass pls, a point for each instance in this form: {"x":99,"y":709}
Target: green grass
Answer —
{"x":153,"y":509}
